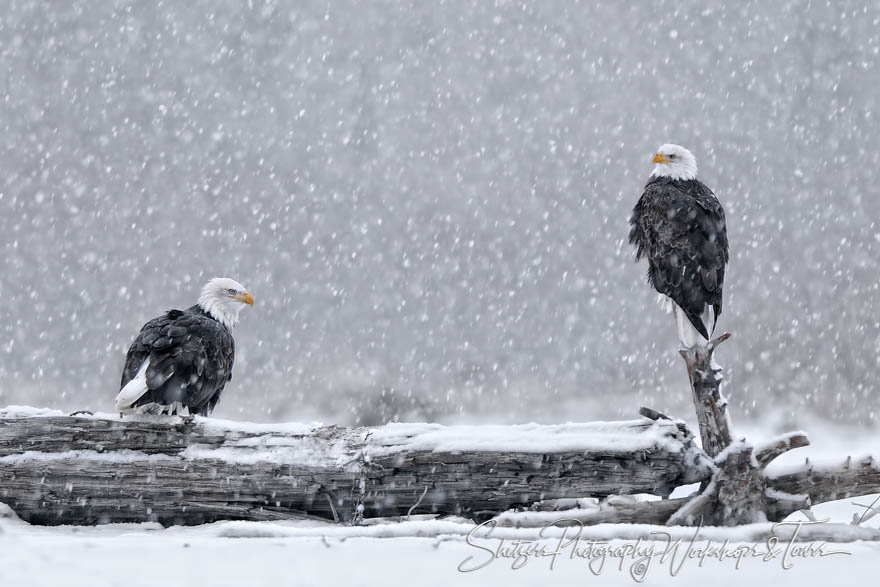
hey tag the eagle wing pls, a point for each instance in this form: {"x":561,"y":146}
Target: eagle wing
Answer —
{"x":190,"y":360}
{"x":680,"y":227}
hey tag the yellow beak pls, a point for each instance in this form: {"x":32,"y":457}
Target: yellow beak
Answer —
{"x":246,"y":298}
{"x":660,"y":158}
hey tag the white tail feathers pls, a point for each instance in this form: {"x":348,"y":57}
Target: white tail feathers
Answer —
{"x":133,"y":390}
{"x":709,"y":318}
{"x":665,"y":302}
{"x":689,"y":336}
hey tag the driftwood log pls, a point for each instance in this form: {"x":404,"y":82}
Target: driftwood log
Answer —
{"x":58,"y":469}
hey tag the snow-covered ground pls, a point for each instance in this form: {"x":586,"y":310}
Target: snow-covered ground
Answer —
{"x":433,"y":552}
{"x":218,"y":555}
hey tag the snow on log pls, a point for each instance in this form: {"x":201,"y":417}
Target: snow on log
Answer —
{"x":59,"y":469}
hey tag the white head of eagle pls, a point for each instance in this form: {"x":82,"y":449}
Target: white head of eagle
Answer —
{"x":223,"y":299}
{"x":183,"y":359}
{"x":674,"y":162}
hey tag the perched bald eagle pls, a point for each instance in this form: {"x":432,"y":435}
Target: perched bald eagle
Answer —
{"x":679,"y":225}
{"x":183,"y":359}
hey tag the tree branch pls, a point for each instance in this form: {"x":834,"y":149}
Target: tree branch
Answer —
{"x":830,"y":483}
{"x":765,"y":453}
{"x":711,"y":406}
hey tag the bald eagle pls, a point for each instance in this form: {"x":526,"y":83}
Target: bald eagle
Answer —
{"x":679,"y":225}
{"x":183,"y":359}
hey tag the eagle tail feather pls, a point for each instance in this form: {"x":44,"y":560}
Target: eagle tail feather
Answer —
{"x":692,"y":329}
{"x":708,"y":319}
{"x":133,"y":390}
{"x":665,"y":302}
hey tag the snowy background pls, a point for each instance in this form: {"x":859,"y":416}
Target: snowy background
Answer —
{"x":429,"y":200}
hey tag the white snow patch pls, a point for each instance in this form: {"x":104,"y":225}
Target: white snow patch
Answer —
{"x":530,"y":438}
{"x":286,"y":428}
{"x":305,"y":455}
{"x":824,"y":465}
{"x":29,"y":412}
{"x":776,"y":494}
{"x":114,"y":456}
{"x":428,"y":552}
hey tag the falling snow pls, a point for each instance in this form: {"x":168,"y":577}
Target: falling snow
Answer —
{"x":429,"y":200}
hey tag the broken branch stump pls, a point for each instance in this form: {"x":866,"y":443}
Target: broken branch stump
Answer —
{"x":711,"y":405}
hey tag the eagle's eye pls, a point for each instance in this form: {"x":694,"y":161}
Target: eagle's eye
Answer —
{"x":673,"y":156}
{"x":230,"y":291}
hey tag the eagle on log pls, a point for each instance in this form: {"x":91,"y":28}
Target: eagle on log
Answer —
{"x":181,"y":361}
{"x":679,"y":225}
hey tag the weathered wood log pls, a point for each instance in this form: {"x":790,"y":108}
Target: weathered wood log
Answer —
{"x":783,"y":495}
{"x":737,"y":494}
{"x":57,"y":469}
{"x":828,"y":483}
{"x":779,"y":446}
{"x":607,"y":511}
{"x":780,"y":495}
{"x":738,"y":490}
{"x":645,"y":514}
